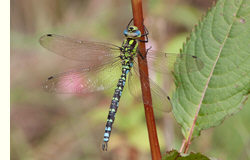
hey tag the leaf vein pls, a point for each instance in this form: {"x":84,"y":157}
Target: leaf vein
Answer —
{"x":208,"y":80}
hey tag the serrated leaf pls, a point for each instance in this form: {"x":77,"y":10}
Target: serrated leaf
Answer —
{"x":221,"y":40}
{"x":175,"y":155}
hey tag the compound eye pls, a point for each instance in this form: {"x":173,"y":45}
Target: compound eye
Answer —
{"x":125,"y":32}
{"x":138,"y":33}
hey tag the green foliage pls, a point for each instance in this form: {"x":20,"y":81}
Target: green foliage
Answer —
{"x":221,"y":41}
{"x":174,"y":155}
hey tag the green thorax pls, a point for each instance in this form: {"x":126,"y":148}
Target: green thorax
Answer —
{"x":128,"y":50}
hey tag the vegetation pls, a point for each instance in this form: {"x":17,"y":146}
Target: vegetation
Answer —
{"x":47,"y":126}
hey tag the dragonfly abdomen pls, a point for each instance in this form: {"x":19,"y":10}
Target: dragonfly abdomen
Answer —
{"x":114,"y":105}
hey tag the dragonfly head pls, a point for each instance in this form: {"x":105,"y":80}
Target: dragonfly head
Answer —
{"x":132,"y":32}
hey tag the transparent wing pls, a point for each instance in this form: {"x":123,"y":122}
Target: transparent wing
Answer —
{"x":164,"y":62}
{"x":83,"y":80}
{"x":159,"y":96}
{"x":90,"y":53}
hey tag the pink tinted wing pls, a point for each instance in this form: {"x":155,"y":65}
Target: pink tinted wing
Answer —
{"x":84,"y":80}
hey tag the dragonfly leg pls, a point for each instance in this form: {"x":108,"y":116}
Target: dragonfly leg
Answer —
{"x":143,"y":57}
{"x":148,"y":49}
{"x":130,"y":22}
{"x":146,"y":52}
{"x":145,"y":34}
{"x":145,"y":41}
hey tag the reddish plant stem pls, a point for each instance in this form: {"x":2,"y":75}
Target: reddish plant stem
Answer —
{"x":187,"y":144}
{"x":188,"y":141}
{"x":182,"y":146}
{"x":146,"y":93}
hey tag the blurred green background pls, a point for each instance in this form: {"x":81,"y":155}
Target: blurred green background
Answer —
{"x":46,"y":126}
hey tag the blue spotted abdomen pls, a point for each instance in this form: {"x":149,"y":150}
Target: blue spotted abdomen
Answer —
{"x":114,"y":105}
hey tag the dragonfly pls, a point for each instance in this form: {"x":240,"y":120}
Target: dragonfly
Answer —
{"x":102,"y":63}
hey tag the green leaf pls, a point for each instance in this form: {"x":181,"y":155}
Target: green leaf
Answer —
{"x":203,"y":99}
{"x":175,"y":155}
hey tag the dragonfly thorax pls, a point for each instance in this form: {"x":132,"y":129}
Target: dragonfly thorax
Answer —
{"x":128,"y":50}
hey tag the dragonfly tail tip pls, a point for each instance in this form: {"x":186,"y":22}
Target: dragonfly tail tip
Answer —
{"x":104,"y":146}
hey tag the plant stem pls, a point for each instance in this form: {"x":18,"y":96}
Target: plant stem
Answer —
{"x":187,"y":144}
{"x":146,"y":94}
{"x":182,"y":146}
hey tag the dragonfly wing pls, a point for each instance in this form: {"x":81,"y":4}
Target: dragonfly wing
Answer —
{"x":159,"y":96}
{"x":91,"y":53}
{"x":164,"y":62}
{"x":83,"y":80}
